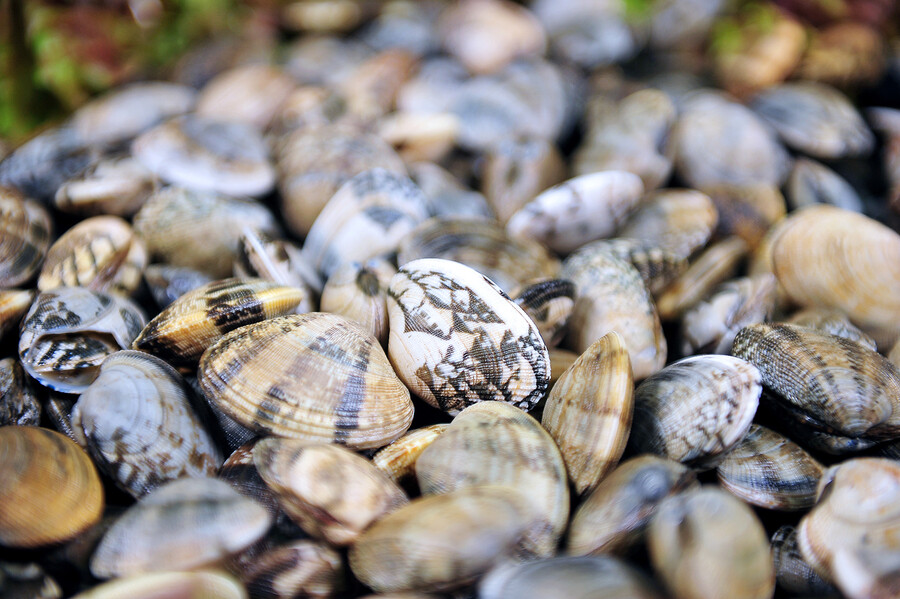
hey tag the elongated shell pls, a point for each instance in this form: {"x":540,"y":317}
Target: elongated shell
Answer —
{"x":678,"y":220}
{"x":49,"y":489}
{"x":457,"y":339}
{"x":847,"y":386}
{"x":696,"y":410}
{"x":359,"y":293}
{"x":200,"y":584}
{"x":398,"y":460}
{"x":331,"y":492}
{"x":614,"y":515}
{"x":588,"y":412}
{"x":18,"y":404}
{"x":493,"y":443}
{"x":139,"y":425}
{"x":182,"y":332}
{"x":69,"y":331}
{"x":24,"y":237}
{"x":793,"y":573}
{"x":269,"y":377}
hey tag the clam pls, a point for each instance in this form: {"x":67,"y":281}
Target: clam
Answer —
{"x":101,"y":253}
{"x":696,"y":410}
{"x":24,"y":237}
{"x":18,"y":403}
{"x":398,"y":460}
{"x":296,"y":569}
{"x":241,"y":473}
{"x":793,"y":573}
{"x":588,"y":411}
{"x":251,"y":94}
{"x":182,"y":332}
{"x":448,"y":197}
{"x":706,"y":543}
{"x":678,"y":220}
{"x":199,"y":584}
{"x":14,"y":303}
{"x":332,"y":493}
{"x":590,"y":35}
{"x":747,"y":211}
{"x":359,"y":293}
{"x":613,"y":517}
{"x":39,"y":166}
{"x":118,"y":185}
{"x":657,"y":266}
{"x":308,"y":106}
{"x":420,"y":136}
{"x":69,"y":331}
{"x":185,"y":524}
{"x":269,"y":377}
{"x":493,"y":443}
{"x":370,"y":89}
{"x":278,"y":261}
{"x":139,"y":426}
{"x":517,"y":170}
{"x":814,"y":183}
{"x":833,"y":322}
{"x":168,"y":283}
{"x":49,"y":488}
{"x":456,"y":338}
{"x":549,"y":304}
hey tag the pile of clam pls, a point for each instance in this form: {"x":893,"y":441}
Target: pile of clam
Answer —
{"x":445,"y":303}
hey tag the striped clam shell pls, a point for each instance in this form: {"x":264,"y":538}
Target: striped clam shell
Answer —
{"x":457,"y":339}
{"x":657,"y":266}
{"x":792,"y":572}
{"x":312,"y":376}
{"x":182,"y":332}
{"x":115,"y":185}
{"x":298,"y":569}
{"x":549,"y":304}
{"x":24,"y":237}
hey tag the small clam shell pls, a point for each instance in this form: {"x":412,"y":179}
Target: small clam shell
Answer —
{"x":678,"y":220}
{"x":747,"y":211}
{"x":515,"y":171}
{"x":614,"y":515}
{"x":591,"y":35}
{"x":101,"y":253}
{"x":18,"y":403}
{"x":696,"y":410}
{"x":182,"y":332}
{"x":69,"y":331}
{"x":39,"y":166}
{"x":185,"y":524}
{"x":420,"y":136}
{"x":657,"y":266}
{"x":549,"y":304}
{"x":833,"y":322}
{"x":250,"y":94}
{"x":846,"y":386}
{"x":168,"y":283}
{"x":269,"y":377}
{"x":456,"y":338}
{"x":770,"y":471}
{"x":447,"y":196}
{"x":814,"y":183}
{"x":139,"y":425}
{"x":493,"y":443}
{"x":49,"y":488}
{"x":278,"y":261}
{"x":793,"y":573}
{"x":297,"y":569}
{"x":358,"y":292}
{"x":331,"y":492}
{"x":24,"y":237}
{"x":588,"y":412}
{"x":706,"y":543}
{"x":398,"y":460}
{"x":198,"y":584}
{"x":370,"y":89}
{"x":579,"y":210}
{"x":14,"y":303}
{"x":117,"y":186}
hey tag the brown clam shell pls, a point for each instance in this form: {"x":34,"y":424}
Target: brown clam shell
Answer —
{"x":18,"y":403}
{"x":24,"y":237}
{"x":297,"y":569}
{"x":398,"y":460}
{"x":14,"y":303}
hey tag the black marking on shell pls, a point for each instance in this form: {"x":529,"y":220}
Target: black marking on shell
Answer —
{"x":231,"y":306}
{"x":367,"y":282}
{"x":535,"y":297}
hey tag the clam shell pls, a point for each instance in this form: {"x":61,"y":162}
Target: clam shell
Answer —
{"x":139,"y":425}
{"x":182,"y":332}
{"x":456,"y":338}
{"x":814,"y":183}
{"x":14,"y":303}
{"x":199,"y":584}
{"x":833,"y":322}
{"x":39,"y":166}
{"x":370,"y":89}
{"x":696,"y":410}
{"x":117,"y":185}
{"x":793,"y":573}
{"x":168,"y":283}
{"x":398,"y":460}
{"x":331,"y":492}
{"x":517,"y":170}
{"x":657,"y":266}
{"x":185,"y":524}
{"x":18,"y":403}
{"x":358,"y":292}
{"x":269,"y":377}
{"x":297,"y":569}
{"x":241,"y":473}
{"x":615,"y":514}
{"x":24,"y":237}
{"x":278,"y":261}
{"x":678,"y":220}
{"x":493,"y":443}
{"x":747,"y":211}
{"x":447,"y":196}
{"x":49,"y":488}
{"x":250,"y":94}
{"x":588,"y":412}
{"x":549,"y":304}
{"x":420,"y":136}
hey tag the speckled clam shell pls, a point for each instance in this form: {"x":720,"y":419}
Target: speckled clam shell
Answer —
{"x":833,"y":322}
{"x":207,"y":155}
{"x":457,"y":339}
{"x":441,"y":542}
{"x":101,"y":253}
{"x":580,"y":210}
{"x":771,"y":471}
{"x":118,"y":185}
{"x":832,"y":258}
{"x":814,"y":183}
{"x":199,"y":584}
{"x":140,"y":427}
{"x":613,"y":517}
{"x":168,"y":283}
{"x":14,"y":303}
{"x":611,"y":296}
{"x":793,"y":573}
{"x":252,"y":93}
{"x":69,"y":331}
{"x":359,"y":293}
{"x":493,"y":443}
{"x":183,"y":331}
{"x":845,"y":385}
{"x":185,"y":524}
{"x":517,"y":170}
{"x":279,"y":261}
{"x":588,"y":411}
{"x":18,"y":403}
{"x":269,"y":377}
{"x":49,"y":489}
{"x":678,"y":220}
{"x":297,"y":569}
{"x":398,"y":460}
{"x":331,"y":492}
{"x":657,"y":266}
{"x":706,"y":543}
{"x":696,"y":410}
{"x":548,"y":303}
{"x":480,"y":244}
{"x":24,"y":237}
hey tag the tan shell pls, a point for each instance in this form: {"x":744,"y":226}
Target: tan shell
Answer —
{"x":493,"y":443}
{"x":358,"y":292}
{"x":24,"y":237}
{"x":549,"y":303}
{"x":182,"y":332}
{"x":588,"y":412}
{"x":457,"y":339}
{"x":398,"y":460}
{"x":278,"y":261}
{"x":746,"y":210}
{"x":18,"y":403}
{"x":696,"y":410}
{"x":14,"y":303}
{"x":420,"y":136}
{"x":678,"y":220}
{"x":832,"y":258}
{"x":185,"y":524}
{"x":705,"y":543}
{"x":833,"y":322}
{"x":269,"y":377}
{"x":49,"y":489}
{"x":101,"y":253}
{"x":370,"y":89}
{"x":297,"y":569}
{"x":331,"y":492}
{"x":515,"y":171}
{"x":199,"y":584}
{"x":118,"y":185}
{"x":657,"y":266}
{"x":560,"y":361}
{"x":612,"y":518}
{"x":251,"y":94}
{"x":792,"y":572}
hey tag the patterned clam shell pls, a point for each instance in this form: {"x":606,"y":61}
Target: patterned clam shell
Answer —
{"x":18,"y":403}
{"x":24,"y":237}
{"x":312,"y":376}
{"x":549,"y":304}
{"x":834,"y":322}
{"x":182,"y":332}
{"x":457,"y":339}
{"x":298,"y":569}
{"x":117,"y":185}
{"x":793,"y":573}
